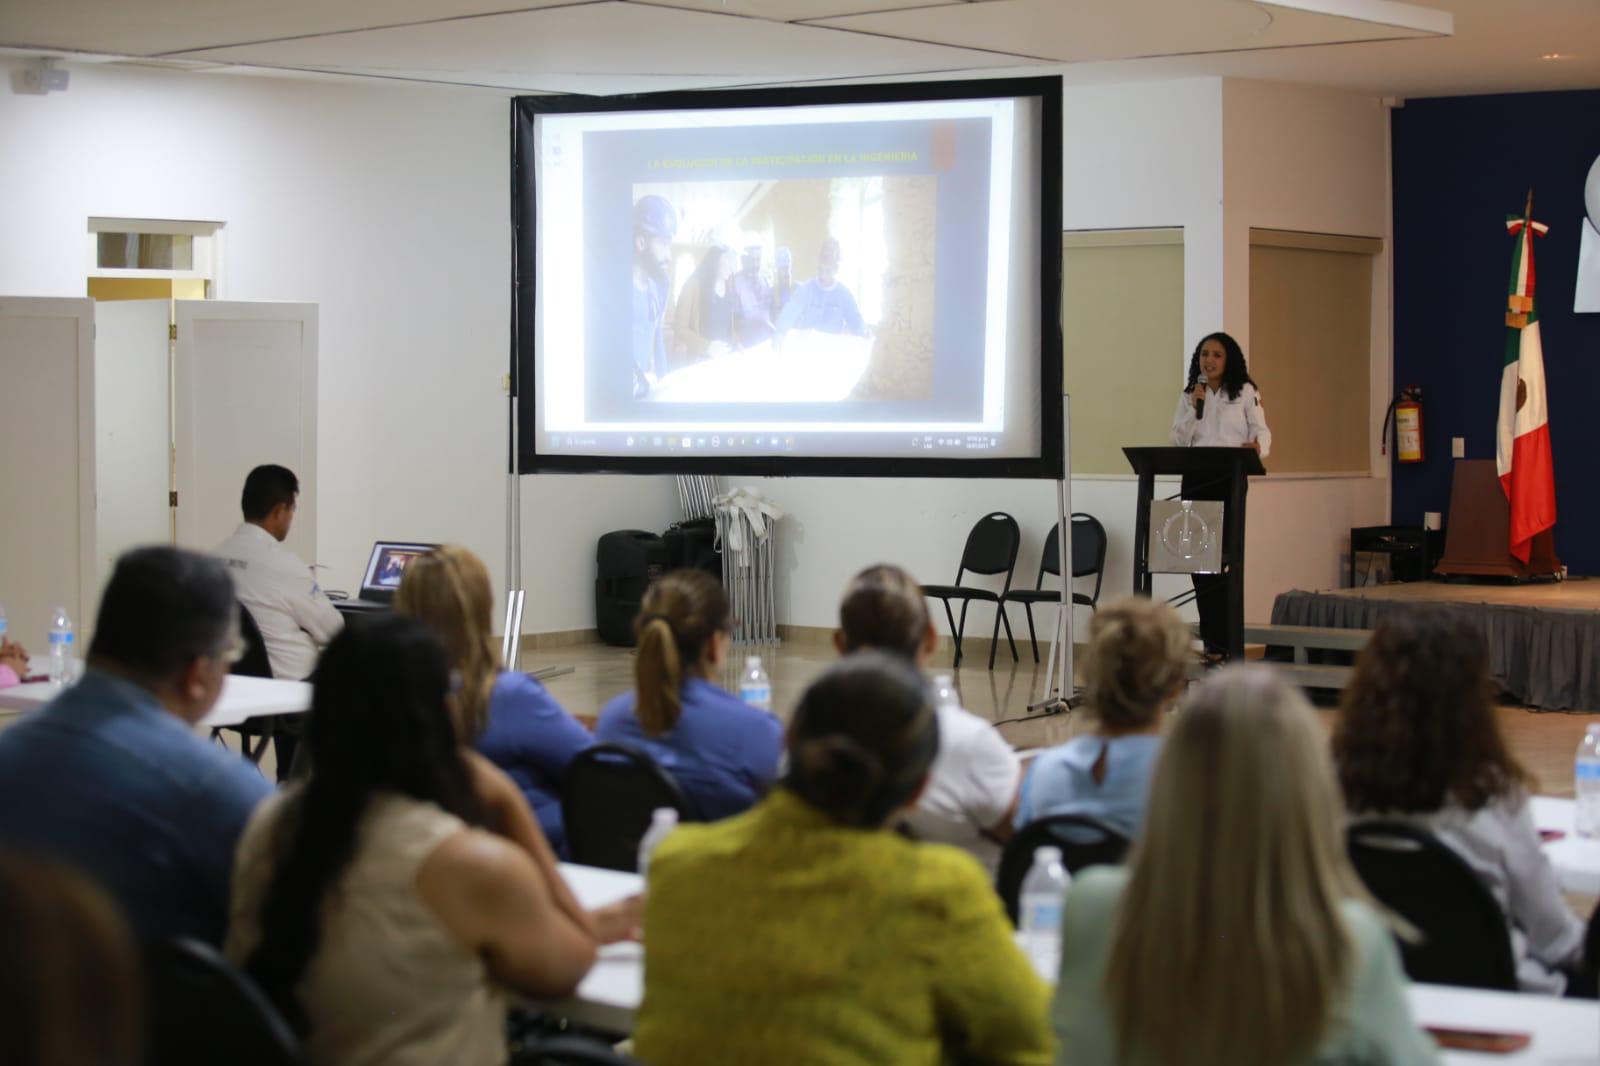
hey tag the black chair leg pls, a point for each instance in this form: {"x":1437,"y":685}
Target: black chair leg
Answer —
{"x":994,"y":638}
{"x":1006,"y":619}
{"x":1027,"y":608}
{"x":961,"y":628}
{"x":951,"y":618}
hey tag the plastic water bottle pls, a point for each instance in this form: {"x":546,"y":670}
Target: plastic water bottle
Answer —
{"x":944,"y":691}
{"x":1586,"y":783}
{"x":61,"y":646}
{"x":663,"y":820}
{"x":1044,"y":894}
{"x":755,"y":687}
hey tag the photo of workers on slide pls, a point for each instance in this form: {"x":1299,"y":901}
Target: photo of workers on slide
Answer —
{"x":784,"y":291}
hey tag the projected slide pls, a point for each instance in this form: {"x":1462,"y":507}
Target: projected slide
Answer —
{"x":839,"y":280}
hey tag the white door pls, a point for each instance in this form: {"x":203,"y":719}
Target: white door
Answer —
{"x":47,"y":515}
{"x":246,"y":394}
{"x":133,"y":434}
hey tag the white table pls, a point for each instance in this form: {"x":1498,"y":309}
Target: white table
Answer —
{"x":1565,"y":1032}
{"x":242,"y":698}
{"x":1576,"y":859}
{"x":611,"y":992}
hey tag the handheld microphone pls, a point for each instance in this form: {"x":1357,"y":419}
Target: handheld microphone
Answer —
{"x":1200,"y":408}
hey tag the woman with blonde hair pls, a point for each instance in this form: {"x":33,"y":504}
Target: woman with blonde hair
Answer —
{"x":509,"y":717}
{"x":1238,"y":931}
{"x":720,"y":750}
{"x":1134,"y":670}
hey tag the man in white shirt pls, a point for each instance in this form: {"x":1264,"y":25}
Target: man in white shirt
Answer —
{"x":295,"y":618}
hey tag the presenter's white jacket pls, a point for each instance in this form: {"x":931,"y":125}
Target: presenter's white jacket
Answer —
{"x":295,"y":618}
{"x":1226,"y":424}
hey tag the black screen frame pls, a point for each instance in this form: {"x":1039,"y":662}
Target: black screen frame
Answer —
{"x":522,"y":452}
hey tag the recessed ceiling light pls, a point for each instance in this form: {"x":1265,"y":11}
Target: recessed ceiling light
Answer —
{"x":1556,"y":55}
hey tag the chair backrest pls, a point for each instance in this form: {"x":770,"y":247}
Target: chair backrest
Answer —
{"x":1088,"y":545}
{"x":1464,"y":935}
{"x":1083,"y":841}
{"x":992,"y":546}
{"x":255,"y":662}
{"x":606,"y":804}
{"x":204,"y":1010}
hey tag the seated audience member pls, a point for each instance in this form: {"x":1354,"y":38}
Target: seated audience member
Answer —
{"x":1417,"y":741}
{"x":1238,"y":932}
{"x":972,"y":789}
{"x":720,"y":750}
{"x":110,"y":776}
{"x":508,"y":716}
{"x":1133,"y":671}
{"x":13,"y":663}
{"x":71,"y":990}
{"x":366,"y":904}
{"x":805,"y":930}
{"x":295,"y":618}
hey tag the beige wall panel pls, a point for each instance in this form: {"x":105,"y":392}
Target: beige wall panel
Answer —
{"x":1310,"y":353}
{"x":1122,"y":324}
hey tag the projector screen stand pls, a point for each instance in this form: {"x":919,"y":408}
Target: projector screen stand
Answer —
{"x":1058,"y":694}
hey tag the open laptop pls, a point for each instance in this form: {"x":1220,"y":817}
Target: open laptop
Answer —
{"x":385,"y":567}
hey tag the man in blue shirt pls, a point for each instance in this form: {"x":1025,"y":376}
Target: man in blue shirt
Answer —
{"x":823,"y":304}
{"x":110,"y":777}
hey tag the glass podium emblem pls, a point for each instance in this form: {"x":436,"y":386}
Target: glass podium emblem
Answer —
{"x":1186,"y":537}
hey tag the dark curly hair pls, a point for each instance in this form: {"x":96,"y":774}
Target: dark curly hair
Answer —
{"x":1235,"y":375}
{"x":1416,"y":729}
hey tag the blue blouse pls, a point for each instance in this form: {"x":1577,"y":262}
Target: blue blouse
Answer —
{"x":1061,"y":781}
{"x":723,"y":752}
{"x":532,"y":739}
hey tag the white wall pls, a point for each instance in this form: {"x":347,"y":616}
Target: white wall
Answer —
{"x":388,"y":206}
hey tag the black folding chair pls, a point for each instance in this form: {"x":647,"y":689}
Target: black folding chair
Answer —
{"x":1084,"y":842}
{"x":991,"y":549}
{"x":204,"y":1010}
{"x":1088,"y":559}
{"x":610,"y":793}
{"x":1465,"y":938}
{"x":255,"y":733}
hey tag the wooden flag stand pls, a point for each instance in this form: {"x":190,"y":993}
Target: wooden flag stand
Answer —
{"x":1477,"y":538}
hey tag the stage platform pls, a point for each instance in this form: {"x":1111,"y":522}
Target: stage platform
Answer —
{"x":1544,"y":639}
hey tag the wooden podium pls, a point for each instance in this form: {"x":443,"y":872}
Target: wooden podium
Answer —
{"x":1477,"y":539}
{"x":1228,"y":470}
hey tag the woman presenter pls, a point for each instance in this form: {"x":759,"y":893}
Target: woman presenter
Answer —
{"x":1219,"y":408}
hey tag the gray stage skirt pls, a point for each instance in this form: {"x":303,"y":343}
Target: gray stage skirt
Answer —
{"x":1547,"y":659}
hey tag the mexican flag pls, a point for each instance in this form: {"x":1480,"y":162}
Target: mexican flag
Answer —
{"x":1522,"y":448}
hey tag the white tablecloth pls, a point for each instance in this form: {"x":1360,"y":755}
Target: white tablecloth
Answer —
{"x":1565,"y":1032}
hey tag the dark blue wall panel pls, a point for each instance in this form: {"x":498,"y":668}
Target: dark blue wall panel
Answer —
{"x":1461,"y":164}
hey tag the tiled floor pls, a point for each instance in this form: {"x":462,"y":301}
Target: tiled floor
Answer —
{"x":1544,"y":742}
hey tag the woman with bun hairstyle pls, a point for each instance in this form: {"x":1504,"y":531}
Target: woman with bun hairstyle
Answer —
{"x":1133,"y":671}
{"x":720,"y":750}
{"x":805,"y":930}
{"x":508,"y":716}
{"x":972,"y":789}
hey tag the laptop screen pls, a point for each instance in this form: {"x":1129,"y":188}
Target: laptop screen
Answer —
{"x":387,"y":566}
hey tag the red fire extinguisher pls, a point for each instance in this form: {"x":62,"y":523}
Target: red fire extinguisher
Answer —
{"x":1407,"y":413}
